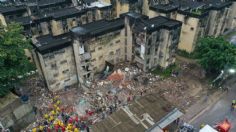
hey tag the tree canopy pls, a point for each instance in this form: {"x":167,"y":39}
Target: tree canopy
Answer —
{"x":13,"y":62}
{"x":214,"y":54}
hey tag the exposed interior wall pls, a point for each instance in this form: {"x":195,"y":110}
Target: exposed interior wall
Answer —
{"x":82,"y":61}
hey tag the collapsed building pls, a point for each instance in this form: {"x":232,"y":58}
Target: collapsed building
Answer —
{"x":75,"y":57}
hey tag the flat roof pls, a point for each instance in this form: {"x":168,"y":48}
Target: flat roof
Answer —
{"x":46,"y":3}
{"x":24,"y":20}
{"x":67,"y":12}
{"x":48,"y":43}
{"x":126,"y":119}
{"x":98,"y":28}
{"x":11,"y":9}
{"x":155,"y":23}
{"x":164,"y":8}
{"x":188,"y":7}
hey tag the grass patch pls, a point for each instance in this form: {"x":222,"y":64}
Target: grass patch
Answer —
{"x":185,"y":54}
{"x":166,"y":72}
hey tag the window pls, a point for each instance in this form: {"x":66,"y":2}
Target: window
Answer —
{"x":67,"y":80}
{"x":100,"y":57}
{"x":147,"y":61}
{"x":118,"y":41}
{"x":191,"y":28}
{"x":92,"y":51}
{"x":118,"y":52}
{"x":57,"y":84}
{"x":63,"y":62}
{"x":111,"y":53}
{"x":93,"y":60}
{"x":65,"y":71}
{"x":99,"y":48}
{"x":53,"y":65}
{"x":55,"y":75}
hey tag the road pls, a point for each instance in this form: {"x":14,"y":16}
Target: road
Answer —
{"x":219,"y":111}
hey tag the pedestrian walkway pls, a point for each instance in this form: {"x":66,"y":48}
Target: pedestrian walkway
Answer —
{"x":201,"y":106}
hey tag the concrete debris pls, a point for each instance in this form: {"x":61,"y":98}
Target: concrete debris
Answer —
{"x":123,"y":85}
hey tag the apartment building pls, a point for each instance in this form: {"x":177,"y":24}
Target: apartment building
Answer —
{"x":75,"y":57}
{"x":53,"y":17}
{"x":154,"y":41}
{"x":54,"y":59}
{"x":199,"y":18}
{"x":97,"y":43}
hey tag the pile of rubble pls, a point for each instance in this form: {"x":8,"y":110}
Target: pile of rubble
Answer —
{"x":124,"y":84}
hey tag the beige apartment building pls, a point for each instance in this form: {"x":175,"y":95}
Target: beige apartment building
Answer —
{"x":199,"y":18}
{"x":53,"y":17}
{"x":154,"y":41}
{"x":75,"y":58}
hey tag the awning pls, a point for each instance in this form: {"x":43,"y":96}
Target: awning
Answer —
{"x":166,"y":120}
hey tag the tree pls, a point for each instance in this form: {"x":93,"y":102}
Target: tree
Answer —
{"x":214,"y":54}
{"x":13,"y":62}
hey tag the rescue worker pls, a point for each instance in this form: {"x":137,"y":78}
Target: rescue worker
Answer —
{"x":233,"y":104}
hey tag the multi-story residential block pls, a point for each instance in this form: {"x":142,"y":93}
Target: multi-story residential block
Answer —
{"x":74,"y":58}
{"x":53,"y":17}
{"x":97,"y":43}
{"x":154,"y":40}
{"x":199,"y":18}
{"x":54,"y":58}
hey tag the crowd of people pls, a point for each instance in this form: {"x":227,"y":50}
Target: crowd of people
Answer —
{"x":60,"y":120}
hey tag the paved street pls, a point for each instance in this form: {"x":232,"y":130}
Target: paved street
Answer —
{"x":219,"y":111}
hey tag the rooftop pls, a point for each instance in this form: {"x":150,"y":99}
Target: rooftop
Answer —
{"x":127,"y":118}
{"x":155,"y":23}
{"x":23,"y":20}
{"x":11,"y":9}
{"x":98,"y":27}
{"x":164,"y":8}
{"x":193,"y":8}
{"x":48,"y":43}
{"x":66,"y":12}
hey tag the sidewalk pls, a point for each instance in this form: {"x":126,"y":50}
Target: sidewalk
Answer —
{"x":201,"y":106}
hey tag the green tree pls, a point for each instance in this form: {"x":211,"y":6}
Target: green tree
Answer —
{"x":214,"y":54}
{"x":13,"y":62}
